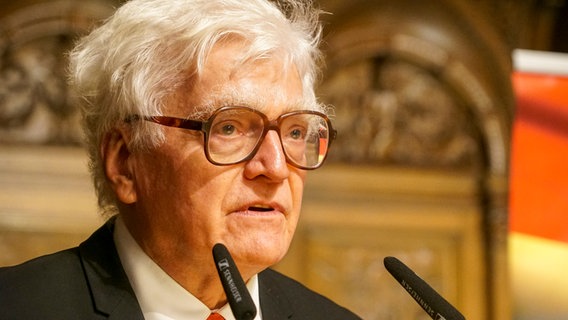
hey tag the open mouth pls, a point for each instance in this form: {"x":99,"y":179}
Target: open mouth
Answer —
{"x":260,"y":208}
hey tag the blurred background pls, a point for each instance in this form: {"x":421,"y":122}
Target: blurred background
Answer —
{"x":451,"y":156}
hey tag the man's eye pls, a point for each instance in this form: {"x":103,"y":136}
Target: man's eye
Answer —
{"x":296,"y":134}
{"x":228,"y":129}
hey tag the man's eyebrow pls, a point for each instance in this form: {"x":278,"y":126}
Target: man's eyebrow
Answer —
{"x":201,"y":112}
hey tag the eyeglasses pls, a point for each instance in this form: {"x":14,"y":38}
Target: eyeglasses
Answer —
{"x":234,"y":134}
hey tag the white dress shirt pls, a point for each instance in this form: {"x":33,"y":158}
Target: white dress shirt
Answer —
{"x":160,"y":296}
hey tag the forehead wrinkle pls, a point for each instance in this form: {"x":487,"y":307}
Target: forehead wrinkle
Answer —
{"x":236,"y":98}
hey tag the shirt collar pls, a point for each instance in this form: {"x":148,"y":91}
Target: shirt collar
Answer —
{"x":161,"y":297}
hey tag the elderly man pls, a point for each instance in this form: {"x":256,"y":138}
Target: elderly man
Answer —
{"x":201,"y":122}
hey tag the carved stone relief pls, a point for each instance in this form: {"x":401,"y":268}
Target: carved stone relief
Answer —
{"x":391,"y":111}
{"x":35,"y":103}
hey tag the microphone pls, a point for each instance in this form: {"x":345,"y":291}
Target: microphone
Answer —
{"x":241,"y":303}
{"x":431,"y":301}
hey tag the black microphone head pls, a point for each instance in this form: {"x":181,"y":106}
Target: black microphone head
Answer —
{"x":431,"y":301}
{"x":241,"y":302}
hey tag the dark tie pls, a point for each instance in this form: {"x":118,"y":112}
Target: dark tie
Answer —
{"x":215,"y":316}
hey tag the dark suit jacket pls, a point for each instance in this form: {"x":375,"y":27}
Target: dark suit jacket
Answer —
{"x":88,"y":282}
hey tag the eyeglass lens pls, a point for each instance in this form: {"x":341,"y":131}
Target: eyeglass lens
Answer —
{"x":234,"y":134}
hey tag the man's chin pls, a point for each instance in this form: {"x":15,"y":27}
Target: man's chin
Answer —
{"x":258,"y":258}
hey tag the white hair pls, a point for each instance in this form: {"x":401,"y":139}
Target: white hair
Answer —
{"x":150,"y":48}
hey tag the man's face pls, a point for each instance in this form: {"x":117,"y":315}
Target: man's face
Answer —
{"x":184,"y":204}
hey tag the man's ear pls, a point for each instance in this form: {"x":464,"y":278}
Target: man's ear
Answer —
{"x":117,"y":165}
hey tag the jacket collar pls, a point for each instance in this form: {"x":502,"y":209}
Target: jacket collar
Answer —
{"x":111,"y":291}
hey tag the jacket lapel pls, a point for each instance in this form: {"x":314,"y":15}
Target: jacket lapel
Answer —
{"x":273,"y":303}
{"x":113,"y":296}
{"x":111,"y":291}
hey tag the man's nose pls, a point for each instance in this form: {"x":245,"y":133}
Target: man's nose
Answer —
{"x":269,"y":160}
